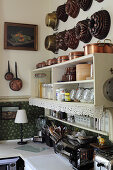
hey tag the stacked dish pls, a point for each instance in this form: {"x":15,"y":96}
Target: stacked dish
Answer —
{"x":75,"y":54}
{"x":100,"y":24}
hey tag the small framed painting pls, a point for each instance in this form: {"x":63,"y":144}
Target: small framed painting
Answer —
{"x":8,"y":112}
{"x":20,"y":36}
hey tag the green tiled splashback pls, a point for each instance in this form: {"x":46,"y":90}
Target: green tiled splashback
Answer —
{"x":10,"y":130}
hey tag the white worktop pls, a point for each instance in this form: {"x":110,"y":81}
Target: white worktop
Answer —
{"x":46,"y":159}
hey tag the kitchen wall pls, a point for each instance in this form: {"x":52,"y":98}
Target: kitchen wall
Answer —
{"x":34,"y":12}
{"x":29,"y":12}
{"x":70,"y":23}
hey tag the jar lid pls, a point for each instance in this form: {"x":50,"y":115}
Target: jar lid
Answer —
{"x":67,"y":93}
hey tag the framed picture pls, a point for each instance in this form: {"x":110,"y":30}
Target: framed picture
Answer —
{"x":20,"y":36}
{"x":8,"y":112}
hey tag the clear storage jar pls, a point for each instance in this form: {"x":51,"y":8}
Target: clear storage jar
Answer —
{"x":60,"y":94}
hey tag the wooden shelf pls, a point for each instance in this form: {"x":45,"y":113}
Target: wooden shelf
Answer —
{"x":79,"y":126}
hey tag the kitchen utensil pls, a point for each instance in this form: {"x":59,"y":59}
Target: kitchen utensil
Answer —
{"x":99,"y":0}
{"x":85,"y":4}
{"x":54,"y":60}
{"x":72,"y":94}
{"x":108,"y":89}
{"x":75,"y":54}
{"x":62,"y":59}
{"x":100,"y":24}
{"x":99,"y":47}
{"x":103,"y":159}
{"x":70,"y":39}
{"x":40,"y":65}
{"x":16,"y":83}
{"x":91,"y":98}
{"x":72,"y":8}
{"x":82,"y":31}
{"x":9,"y":75}
{"x":61,"y":13}
{"x":60,"y":43}
{"x":86,"y":96}
{"x":51,"y":20}
{"x":50,"y":43}
{"x":78,"y":94}
{"x":49,"y":62}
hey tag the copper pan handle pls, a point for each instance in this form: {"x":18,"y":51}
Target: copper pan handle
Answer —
{"x":98,"y":41}
{"x":100,"y":44}
{"x":107,"y":40}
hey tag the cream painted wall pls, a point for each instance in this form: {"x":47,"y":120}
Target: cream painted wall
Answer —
{"x":22,"y":11}
{"x":70,"y":23}
{"x":34,"y":12}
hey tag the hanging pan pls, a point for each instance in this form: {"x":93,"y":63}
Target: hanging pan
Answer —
{"x":50,"y":43}
{"x":16,"y":83}
{"x":99,"y":0}
{"x":9,"y":76}
{"x":52,"y":20}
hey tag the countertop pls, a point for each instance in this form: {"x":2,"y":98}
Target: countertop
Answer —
{"x":37,"y":156}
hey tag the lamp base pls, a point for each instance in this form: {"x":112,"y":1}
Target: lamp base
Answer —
{"x":22,"y":143}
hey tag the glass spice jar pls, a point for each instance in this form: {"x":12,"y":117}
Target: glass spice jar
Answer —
{"x":67,"y":97}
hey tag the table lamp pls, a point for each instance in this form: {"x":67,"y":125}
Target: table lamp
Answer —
{"x":21,"y":118}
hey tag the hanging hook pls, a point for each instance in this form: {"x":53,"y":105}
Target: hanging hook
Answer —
{"x":111,"y":70}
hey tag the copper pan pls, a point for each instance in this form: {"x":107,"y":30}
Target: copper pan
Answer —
{"x":50,"y":43}
{"x":99,"y":47}
{"x":52,"y":20}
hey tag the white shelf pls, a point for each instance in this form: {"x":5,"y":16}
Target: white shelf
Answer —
{"x":102,"y":62}
{"x":14,"y":98}
{"x":69,"y":62}
{"x":69,"y":107}
{"x":79,"y":126}
{"x":74,"y":82}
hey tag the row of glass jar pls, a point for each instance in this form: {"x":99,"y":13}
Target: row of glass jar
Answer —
{"x":47,"y":91}
{"x":80,"y":120}
{"x":80,"y":94}
{"x":101,"y":124}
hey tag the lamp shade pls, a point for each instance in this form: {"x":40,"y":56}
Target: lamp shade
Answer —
{"x":21,"y":117}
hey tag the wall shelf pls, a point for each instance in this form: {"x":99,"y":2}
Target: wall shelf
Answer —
{"x":74,"y":82}
{"x":68,"y":107}
{"x":102,"y":62}
{"x":82,"y":59}
{"x":14,"y":98}
{"x":79,"y":126}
